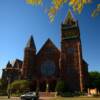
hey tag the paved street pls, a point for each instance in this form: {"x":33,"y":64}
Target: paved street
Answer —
{"x":17,"y":98}
{"x":53,"y":98}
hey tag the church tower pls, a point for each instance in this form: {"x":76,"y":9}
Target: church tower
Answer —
{"x":71,"y":54}
{"x":28,"y":67}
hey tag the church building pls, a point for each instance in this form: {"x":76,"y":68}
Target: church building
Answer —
{"x":51,"y":64}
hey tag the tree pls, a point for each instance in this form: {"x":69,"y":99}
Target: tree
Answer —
{"x":19,"y":85}
{"x":3,"y":87}
{"x":3,"y":84}
{"x":61,"y":87}
{"x":77,"y":6}
{"x":94,"y":80}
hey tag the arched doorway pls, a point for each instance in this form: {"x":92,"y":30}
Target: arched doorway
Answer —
{"x":52,"y":85}
{"x":33,"y":85}
{"x":42,"y":86}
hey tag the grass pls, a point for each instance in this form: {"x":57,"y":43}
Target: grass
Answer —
{"x":6,"y":98}
{"x":75,"y":98}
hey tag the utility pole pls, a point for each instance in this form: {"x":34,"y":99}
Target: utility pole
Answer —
{"x":8,"y":91}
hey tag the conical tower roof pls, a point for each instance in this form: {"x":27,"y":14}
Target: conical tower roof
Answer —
{"x":69,"y":17}
{"x":30,"y":43}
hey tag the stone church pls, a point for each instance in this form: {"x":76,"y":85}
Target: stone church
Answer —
{"x":51,"y":64}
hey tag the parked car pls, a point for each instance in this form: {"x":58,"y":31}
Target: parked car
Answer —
{"x":29,"y":96}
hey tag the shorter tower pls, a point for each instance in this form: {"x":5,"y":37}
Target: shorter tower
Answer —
{"x":28,"y":66}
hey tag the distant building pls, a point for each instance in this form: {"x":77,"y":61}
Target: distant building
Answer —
{"x":51,"y":64}
{"x":12,"y":70}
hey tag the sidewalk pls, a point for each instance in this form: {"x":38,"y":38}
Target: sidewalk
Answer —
{"x":46,"y":98}
{"x":6,"y":98}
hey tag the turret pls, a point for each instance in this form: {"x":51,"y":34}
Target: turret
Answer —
{"x":29,"y":59}
{"x":31,"y":44}
{"x":8,"y":65}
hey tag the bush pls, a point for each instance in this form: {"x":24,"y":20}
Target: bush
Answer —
{"x":3,"y":92}
{"x":3,"y":87}
{"x":3,"y":84}
{"x":67,"y":94}
{"x":19,"y":86}
{"x":61,"y":87}
{"x":94,"y":80}
{"x":16,"y":94}
{"x":63,"y":90}
{"x":77,"y":93}
{"x":96,"y":95}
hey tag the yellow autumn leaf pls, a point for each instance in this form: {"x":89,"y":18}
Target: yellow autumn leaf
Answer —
{"x":33,"y":2}
{"x":29,"y":1}
{"x":71,"y":2}
{"x":96,"y":11}
{"x":57,"y":3}
{"x":65,"y":1}
{"x":98,"y":5}
{"x":79,"y":7}
{"x":51,"y":18}
{"x":74,"y":8}
{"x":39,"y":2}
{"x":84,"y":1}
{"x":52,"y":11}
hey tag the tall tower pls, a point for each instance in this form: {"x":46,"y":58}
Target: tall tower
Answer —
{"x":28,"y":67}
{"x":71,"y":54}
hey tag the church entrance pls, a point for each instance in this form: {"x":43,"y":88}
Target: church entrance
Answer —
{"x":42,"y":86}
{"x":33,"y":85}
{"x":52,"y":85}
{"x":47,"y":86}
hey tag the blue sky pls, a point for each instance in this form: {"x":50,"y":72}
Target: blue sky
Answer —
{"x":19,"y":20}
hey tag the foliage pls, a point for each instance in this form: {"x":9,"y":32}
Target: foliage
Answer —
{"x":96,"y":11}
{"x":34,"y":2}
{"x":19,"y":85}
{"x":61,"y":87}
{"x":3,"y":84}
{"x":94,"y":80}
{"x":77,"y":6}
{"x":3,"y":87}
{"x":67,"y":94}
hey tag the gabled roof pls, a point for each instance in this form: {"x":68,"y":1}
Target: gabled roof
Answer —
{"x":30,"y":43}
{"x":69,"y":17}
{"x":47,"y":43}
{"x":16,"y":61}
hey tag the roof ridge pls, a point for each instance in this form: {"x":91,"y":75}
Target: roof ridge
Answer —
{"x":48,"y":40}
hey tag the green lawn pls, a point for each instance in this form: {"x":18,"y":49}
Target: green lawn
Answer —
{"x":6,"y":98}
{"x":69,"y":98}
{"x":76,"y":98}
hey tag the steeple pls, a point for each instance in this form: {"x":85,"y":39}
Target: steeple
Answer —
{"x":29,"y":59}
{"x":30,"y":43}
{"x":69,"y":18}
{"x":8,"y":65}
